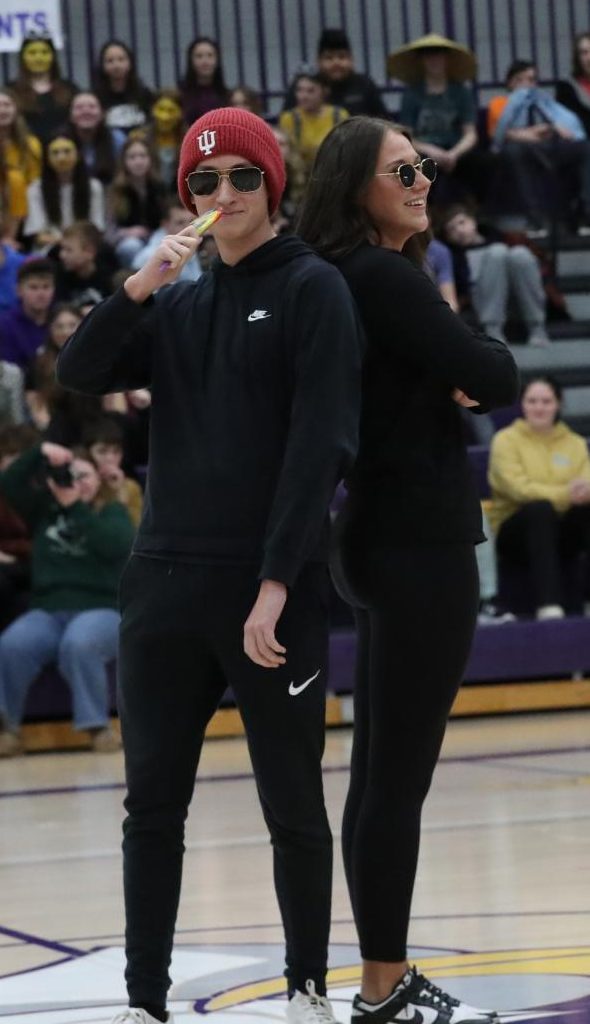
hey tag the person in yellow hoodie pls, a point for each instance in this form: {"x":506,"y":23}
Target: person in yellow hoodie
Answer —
{"x":309,"y":121}
{"x":540,"y":479}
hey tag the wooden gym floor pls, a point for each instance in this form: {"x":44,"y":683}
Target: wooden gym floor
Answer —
{"x":501,"y":913}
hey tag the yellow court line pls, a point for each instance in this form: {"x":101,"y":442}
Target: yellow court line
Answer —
{"x":574,"y":960}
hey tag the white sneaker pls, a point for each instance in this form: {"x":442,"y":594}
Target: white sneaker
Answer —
{"x":539,"y":338}
{"x":310,"y":1008}
{"x":549,"y":611}
{"x":416,"y":999}
{"x":134,"y":1016}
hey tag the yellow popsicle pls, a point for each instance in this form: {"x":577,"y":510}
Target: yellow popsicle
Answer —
{"x":200,"y":225}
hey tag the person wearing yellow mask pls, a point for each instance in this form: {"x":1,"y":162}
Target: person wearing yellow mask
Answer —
{"x":42,"y":95}
{"x":63,"y":194}
{"x":165,"y":134}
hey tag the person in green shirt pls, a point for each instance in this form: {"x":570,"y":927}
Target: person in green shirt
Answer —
{"x":79,"y":549}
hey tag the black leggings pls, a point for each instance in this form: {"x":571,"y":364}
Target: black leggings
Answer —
{"x":416,"y":609}
{"x":181,"y":645}
{"x":539,"y":538}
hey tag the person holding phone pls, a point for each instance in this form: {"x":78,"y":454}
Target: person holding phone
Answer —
{"x":255,"y":378}
{"x":405,"y":542}
{"x":79,"y":548}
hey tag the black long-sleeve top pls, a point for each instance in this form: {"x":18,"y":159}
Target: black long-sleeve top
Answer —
{"x":255,"y":377}
{"x":411,"y":482}
{"x":573,"y":95}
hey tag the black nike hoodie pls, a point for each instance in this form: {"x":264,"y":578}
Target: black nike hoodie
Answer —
{"x":255,"y":379}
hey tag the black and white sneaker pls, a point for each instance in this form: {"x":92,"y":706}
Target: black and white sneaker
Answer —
{"x":417,"y":1001}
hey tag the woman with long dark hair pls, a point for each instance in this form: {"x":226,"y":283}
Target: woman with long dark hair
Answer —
{"x":63,"y":194}
{"x":203,"y":87}
{"x":41,"y":94}
{"x":124,"y":97}
{"x":99,"y":144}
{"x":136,"y":200}
{"x":58,"y":414}
{"x":404,"y":543}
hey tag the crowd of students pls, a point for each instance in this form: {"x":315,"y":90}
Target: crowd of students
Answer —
{"x":88,"y":192}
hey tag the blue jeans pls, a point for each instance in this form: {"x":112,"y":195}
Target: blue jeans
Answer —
{"x":81,"y":643}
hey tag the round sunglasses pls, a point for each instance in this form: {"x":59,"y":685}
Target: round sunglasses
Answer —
{"x":242,"y":179}
{"x":407,"y":172}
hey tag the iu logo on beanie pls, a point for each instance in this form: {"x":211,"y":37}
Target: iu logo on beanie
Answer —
{"x":207,"y":142}
{"x":232,"y":130}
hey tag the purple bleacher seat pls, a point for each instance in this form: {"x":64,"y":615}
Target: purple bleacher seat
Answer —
{"x":506,"y":415}
{"x":512,"y":651}
{"x":530,"y":650}
{"x":49,"y":698}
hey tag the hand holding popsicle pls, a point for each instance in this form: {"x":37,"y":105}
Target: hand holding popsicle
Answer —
{"x":200,"y":225}
{"x":167,"y":261}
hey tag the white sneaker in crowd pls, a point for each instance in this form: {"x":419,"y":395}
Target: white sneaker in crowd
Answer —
{"x":549,"y":611}
{"x":539,"y":338}
{"x":309,"y":1008}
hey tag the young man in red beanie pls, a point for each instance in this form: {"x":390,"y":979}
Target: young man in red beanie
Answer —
{"x":255,"y":378}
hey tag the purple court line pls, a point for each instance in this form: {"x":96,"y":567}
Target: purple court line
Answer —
{"x":536,"y":769}
{"x":80,"y":953}
{"x":329,"y":770}
{"x":346,"y":920}
{"x":36,"y":940}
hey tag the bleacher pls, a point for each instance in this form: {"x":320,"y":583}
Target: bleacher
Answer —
{"x":516,"y":666}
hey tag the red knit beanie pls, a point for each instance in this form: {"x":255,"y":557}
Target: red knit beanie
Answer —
{"x":232,"y":130}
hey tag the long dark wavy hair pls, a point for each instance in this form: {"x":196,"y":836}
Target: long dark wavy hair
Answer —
{"x":50,"y":183}
{"x":190,"y":82}
{"x":332,"y":217}
{"x":134,"y":87}
{"x":123,"y":191}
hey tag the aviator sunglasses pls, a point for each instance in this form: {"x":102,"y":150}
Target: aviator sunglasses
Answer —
{"x":242,"y":179}
{"x":407,"y":172}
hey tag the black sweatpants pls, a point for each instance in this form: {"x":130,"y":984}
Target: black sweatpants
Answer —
{"x":416,"y":609}
{"x":181,"y":645}
{"x":538,"y":538}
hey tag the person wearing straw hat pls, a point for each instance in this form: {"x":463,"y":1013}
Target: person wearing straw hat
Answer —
{"x":439,"y":110}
